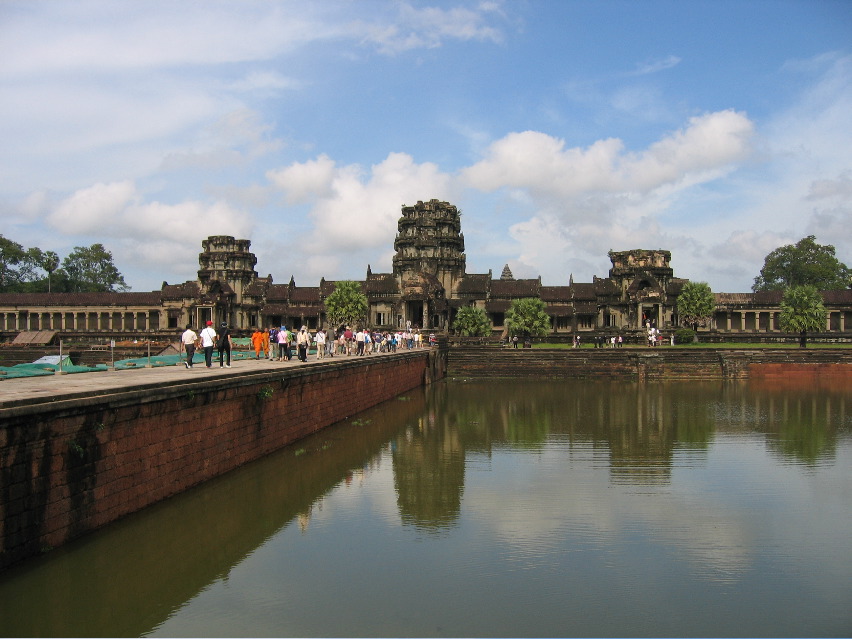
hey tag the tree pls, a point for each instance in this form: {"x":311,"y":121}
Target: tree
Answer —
{"x":805,"y":263}
{"x":472,"y":320}
{"x":91,"y":269}
{"x":802,"y":310}
{"x":18,"y":266}
{"x":346,"y":305}
{"x":527,"y":317}
{"x":695,"y":304}
{"x":49,"y":262}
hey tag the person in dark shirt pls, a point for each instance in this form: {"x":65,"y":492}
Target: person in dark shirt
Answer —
{"x":225,"y":346}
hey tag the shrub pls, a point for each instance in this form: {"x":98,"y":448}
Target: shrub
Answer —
{"x":684,"y":336}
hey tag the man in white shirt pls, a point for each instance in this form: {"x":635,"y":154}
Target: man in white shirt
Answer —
{"x":188,"y":340}
{"x":208,"y":341}
{"x":319,"y":339}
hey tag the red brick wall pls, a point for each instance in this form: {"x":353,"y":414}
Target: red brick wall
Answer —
{"x":73,"y":466}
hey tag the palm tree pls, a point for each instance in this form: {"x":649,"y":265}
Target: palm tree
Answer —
{"x":527,"y":317}
{"x":802,"y":310}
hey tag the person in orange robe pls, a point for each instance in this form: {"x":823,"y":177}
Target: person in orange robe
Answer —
{"x":257,"y":342}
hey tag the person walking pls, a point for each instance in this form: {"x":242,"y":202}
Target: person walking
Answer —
{"x":281,"y":338}
{"x":188,"y":339}
{"x":264,"y":344}
{"x":225,"y":345}
{"x":257,"y":342}
{"x":208,"y":341}
{"x":319,"y":339}
{"x":302,"y":341}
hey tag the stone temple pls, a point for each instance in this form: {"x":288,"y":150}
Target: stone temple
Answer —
{"x":429,"y":282}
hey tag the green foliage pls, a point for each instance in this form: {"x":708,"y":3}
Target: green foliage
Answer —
{"x":77,"y":448}
{"x":347,"y":304}
{"x":684,"y":336}
{"x":265,"y":392}
{"x":473,"y":321}
{"x":695,"y":304}
{"x":91,"y":269}
{"x":18,"y":266}
{"x":527,"y":317}
{"x":804,"y":264}
{"x":802,"y":311}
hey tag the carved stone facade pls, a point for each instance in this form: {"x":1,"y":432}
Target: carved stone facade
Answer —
{"x":427,"y":286}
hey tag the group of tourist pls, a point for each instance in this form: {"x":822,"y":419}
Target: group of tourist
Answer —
{"x":365,"y":342}
{"x":207,"y":340}
{"x":264,"y":342}
{"x":602,"y":341}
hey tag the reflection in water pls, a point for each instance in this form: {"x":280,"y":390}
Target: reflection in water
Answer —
{"x":492,"y":508}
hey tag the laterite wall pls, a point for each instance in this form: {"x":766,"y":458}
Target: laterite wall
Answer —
{"x":663,"y":362}
{"x":72,"y":466}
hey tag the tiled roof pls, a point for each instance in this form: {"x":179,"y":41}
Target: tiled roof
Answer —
{"x":560,"y":311}
{"x":257,"y":288}
{"x":515,"y":288}
{"x":382,"y":283}
{"x":605,"y":286}
{"x":278,"y":292}
{"x":305,"y":294}
{"x":837,"y":297}
{"x":555,"y":293}
{"x":727,"y":299}
{"x":180,"y":291}
{"x":152,"y":298}
{"x":474,"y":283}
{"x":583,"y":291}
{"x":767,"y":297}
{"x":497,"y":306}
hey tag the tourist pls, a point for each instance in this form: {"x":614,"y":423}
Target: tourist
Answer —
{"x":257,"y":342}
{"x":319,"y":339}
{"x":303,"y":339}
{"x":265,"y":344}
{"x":514,"y":341}
{"x":433,"y":341}
{"x":359,"y":341}
{"x":225,"y":345}
{"x":281,"y":340}
{"x":188,"y":340}
{"x":208,"y":341}
{"x":620,"y":341}
{"x":330,"y":343}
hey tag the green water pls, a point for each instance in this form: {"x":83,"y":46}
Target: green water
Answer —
{"x":573,"y":508}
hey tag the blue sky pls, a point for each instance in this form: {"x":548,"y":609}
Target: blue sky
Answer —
{"x":562,"y":129}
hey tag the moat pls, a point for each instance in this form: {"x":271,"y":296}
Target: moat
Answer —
{"x":493,"y":508}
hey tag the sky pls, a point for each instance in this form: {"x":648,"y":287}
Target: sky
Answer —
{"x":718,"y":130}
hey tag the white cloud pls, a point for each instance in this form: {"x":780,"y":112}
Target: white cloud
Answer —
{"x":656,"y":65}
{"x":351,"y":208}
{"x":429,"y":27}
{"x":118,"y":210}
{"x":93,"y":208}
{"x":541,"y":163}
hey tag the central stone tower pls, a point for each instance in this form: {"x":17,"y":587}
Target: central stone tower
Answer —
{"x":429,"y":262}
{"x":429,"y":242}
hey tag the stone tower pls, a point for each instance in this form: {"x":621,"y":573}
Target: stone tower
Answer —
{"x":429,"y":242}
{"x":642,"y":279}
{"x":228,"y":261}
{"x":429,"y":262}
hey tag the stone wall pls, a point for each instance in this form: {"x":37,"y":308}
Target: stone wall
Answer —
{"x":663,"y":362}
{"x":79,"y":463}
